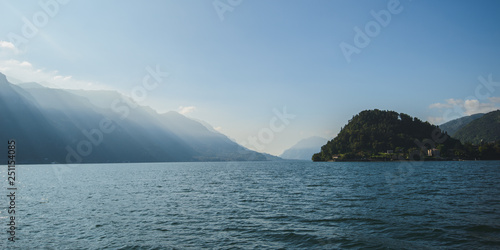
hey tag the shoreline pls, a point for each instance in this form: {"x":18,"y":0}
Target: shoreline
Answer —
{"x":403,"y":160}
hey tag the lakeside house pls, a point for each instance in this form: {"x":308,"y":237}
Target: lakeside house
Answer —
{"x":433,"y":152}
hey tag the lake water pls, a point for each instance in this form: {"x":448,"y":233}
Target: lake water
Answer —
{"x":255,"y":205}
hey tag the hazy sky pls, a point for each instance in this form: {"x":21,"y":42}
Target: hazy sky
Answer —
{"x":237,"y":63}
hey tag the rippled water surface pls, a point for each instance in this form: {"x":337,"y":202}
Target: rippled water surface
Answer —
{"x":256,"y":205}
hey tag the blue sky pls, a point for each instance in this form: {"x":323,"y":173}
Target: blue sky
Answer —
{"x":234,"y":69}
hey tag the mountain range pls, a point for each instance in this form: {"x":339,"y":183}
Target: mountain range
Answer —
{"x":80,"y":126}
{"x":453,"y":126}
{"x":475,"y":128}
{"x":481,"y":130}
{"x":304,"y":149}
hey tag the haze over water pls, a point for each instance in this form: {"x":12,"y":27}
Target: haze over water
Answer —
{"x":257,"y":205}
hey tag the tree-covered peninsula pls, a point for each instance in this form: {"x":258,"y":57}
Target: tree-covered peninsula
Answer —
{"x":376,"y":135}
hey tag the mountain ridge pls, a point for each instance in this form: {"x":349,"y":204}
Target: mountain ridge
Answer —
{"x":304,"y":149}
{"x":67,"y":126}
{"x":483,"y":129}
{"x":451,"y":127}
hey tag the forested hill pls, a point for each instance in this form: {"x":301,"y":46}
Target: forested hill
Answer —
{"x":453,"y":126}
{"x":484,"y":129}
{"x":373,"y":133}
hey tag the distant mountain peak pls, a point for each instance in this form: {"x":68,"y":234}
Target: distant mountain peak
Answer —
{"x":31,"y":85}
{"x":304,"y":149}
{"x":3,"y":78}
{"x":483,"y":129}
{"x":311,"y":141}
{"x":173,"y":113}
{"x":451,"y":127}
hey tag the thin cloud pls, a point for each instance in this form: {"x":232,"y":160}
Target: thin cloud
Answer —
{"x":474,"y":107}
{"x":450,"y":103}
{"x":8,"y":45}
{"x":435,"y":120}
{"x":26,"y":72}
{"x":8,"y":48}
{"x":439,"y":106}
{"x":494,"y":99}
{"x":25,"y":64}
{"x":186,"y":110}
{"x":456,"y":108}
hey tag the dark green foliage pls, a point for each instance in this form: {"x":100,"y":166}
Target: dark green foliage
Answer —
{"x":484,"y":129}
{"x":489,"y":151}
{"x":453,"y":126}
{"x":371,"y":133}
